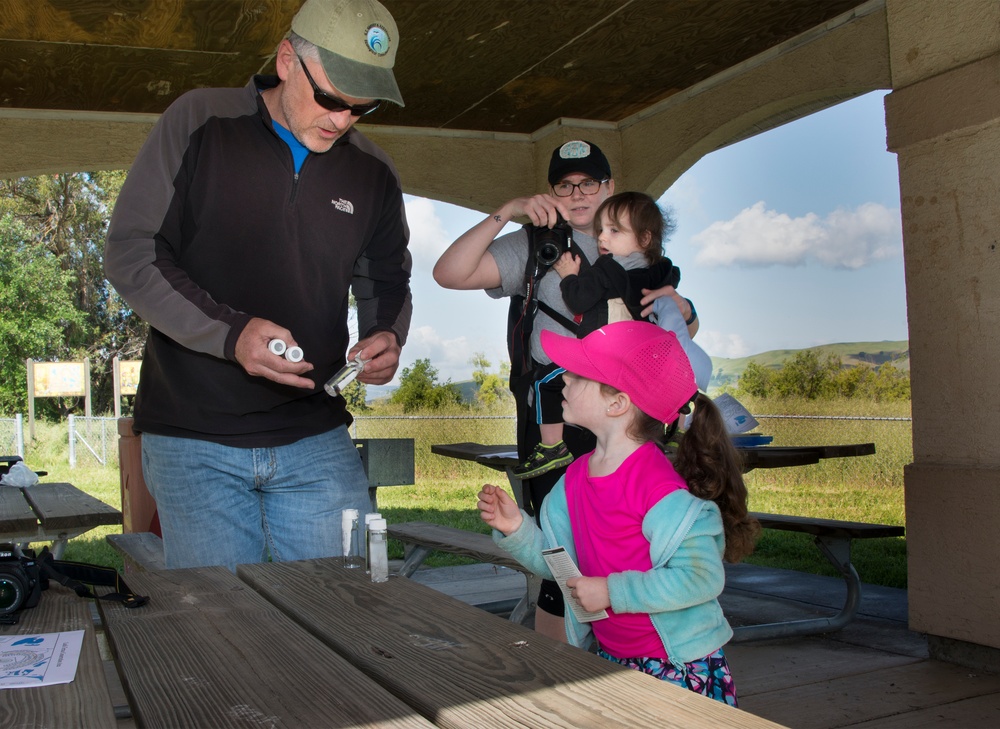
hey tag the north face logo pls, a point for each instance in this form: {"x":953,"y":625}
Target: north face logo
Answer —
{"x":344,"y":206}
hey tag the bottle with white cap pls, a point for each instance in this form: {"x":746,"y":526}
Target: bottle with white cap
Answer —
{"x":368,"y":519}
{"x":351,"y":537}
{"x":378,"y":550}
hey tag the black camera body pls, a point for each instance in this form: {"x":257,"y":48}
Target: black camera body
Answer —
{"x":20,"y":582}
{"x":549,"y":244}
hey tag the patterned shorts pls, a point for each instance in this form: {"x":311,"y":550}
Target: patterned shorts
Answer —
{"x":708,"y":676}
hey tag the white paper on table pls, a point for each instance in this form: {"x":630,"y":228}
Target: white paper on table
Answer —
{"x":43,"y":659}
{"x":563,"y":567}
{"x":736,"y":417}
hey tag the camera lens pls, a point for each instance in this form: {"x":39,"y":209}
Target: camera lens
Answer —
{"x":11,"y":594}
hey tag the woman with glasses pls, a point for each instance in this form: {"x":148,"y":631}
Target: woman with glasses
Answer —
{"x":580,"y":180}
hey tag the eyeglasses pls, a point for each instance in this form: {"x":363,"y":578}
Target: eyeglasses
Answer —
{"x":335,"y":103}
{"x":587,"y":187}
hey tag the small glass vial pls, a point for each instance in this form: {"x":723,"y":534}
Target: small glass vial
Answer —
{"x":351,"y":533}
{"x":368,"y":520}
{"x":378,"y":550}
{"x":336,"y":384}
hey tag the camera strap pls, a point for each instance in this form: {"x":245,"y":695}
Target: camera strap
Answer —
{"x":78,"y":575}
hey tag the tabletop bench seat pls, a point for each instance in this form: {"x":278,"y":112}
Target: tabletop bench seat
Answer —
{"x":833,"y":537}
{"x":421,"y":538}
{"x":141,"y":551}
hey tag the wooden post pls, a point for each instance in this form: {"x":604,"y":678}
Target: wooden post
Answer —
{"x":138,"y":506}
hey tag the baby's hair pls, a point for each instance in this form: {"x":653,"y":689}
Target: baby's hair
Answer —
{"x":644,"y":216}
{"x":709,"y":463}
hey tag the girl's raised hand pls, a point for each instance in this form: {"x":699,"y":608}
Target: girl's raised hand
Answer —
{"x":498,"y":509}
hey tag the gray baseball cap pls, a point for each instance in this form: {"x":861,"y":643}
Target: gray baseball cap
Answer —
{"x":357,"y":41}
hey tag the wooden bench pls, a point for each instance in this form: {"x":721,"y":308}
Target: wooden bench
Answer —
{"x":142,"y":551}
{"x":833,"y":538}
{"x":421,"y":538}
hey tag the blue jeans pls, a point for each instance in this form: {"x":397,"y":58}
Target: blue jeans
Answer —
{"x":220,"y":505}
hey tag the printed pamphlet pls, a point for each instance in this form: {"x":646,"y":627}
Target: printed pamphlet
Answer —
{"x":563,"y":567}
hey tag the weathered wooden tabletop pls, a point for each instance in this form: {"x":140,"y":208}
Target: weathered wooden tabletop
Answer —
{"x":50,"y":512}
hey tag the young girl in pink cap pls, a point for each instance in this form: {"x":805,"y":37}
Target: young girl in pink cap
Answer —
{"x":648,"y":535}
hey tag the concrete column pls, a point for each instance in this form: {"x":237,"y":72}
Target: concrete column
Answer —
{"x":943,"y":121}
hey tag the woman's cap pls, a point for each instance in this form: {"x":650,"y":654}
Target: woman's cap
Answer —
{"x":581,"y":157}
{"x":357,"y":41}
{"x":638,"y":358}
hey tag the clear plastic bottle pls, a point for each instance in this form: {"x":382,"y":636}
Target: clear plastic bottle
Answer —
{"x":352,"y":538}
{"x":368,"y":519}
{"x":378,"y":550}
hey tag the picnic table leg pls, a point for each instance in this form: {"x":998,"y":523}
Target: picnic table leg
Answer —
{"x":838,"y":551}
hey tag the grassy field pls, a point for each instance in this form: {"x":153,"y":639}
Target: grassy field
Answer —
{"x":868,"y":489}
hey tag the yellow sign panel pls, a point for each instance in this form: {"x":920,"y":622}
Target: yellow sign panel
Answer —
{"x":128,"y":374}
{"x":59,"y":379}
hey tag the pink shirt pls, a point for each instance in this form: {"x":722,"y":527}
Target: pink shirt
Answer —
{"x":606,"y":515}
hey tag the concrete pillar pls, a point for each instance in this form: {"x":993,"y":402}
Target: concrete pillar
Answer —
{"x":943,"y":121}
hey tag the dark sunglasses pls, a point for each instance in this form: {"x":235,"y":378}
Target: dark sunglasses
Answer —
{"x":335,"y":103}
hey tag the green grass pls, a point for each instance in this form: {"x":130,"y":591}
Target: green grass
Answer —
{"x":867,"y":489}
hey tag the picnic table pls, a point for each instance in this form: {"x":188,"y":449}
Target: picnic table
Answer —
{"x":54,"y":512}
{"x":832,"y":537}
{"x":310,"y":643}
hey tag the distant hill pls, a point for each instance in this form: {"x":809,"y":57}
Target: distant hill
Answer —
{"x":727,"y":371}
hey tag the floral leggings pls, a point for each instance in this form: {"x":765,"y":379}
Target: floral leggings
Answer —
{"x":708,"y":676}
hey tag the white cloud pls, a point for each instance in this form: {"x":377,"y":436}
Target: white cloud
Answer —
{"x":720,"y":344}
{"x":846,"y":239}
{"x":450,"y":356}
{"x":428,"y":237}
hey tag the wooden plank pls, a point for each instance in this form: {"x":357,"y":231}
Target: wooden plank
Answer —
{"x":869,"y":694}
{"x":84,"y":702}
{"x":63,"y":506}
{"x":463,"y":667}
{"x":16,"y":516}
{"x":207,"y":651}
{"x":479,"y":547}
{"x":141,"y":550}
{"x":827,"y":527}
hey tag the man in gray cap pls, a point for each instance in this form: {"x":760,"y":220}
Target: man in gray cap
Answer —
{"x":250,"y":215}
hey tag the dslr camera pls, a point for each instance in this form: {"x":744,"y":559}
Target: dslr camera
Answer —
{"x":550,"y":243}
{"x":20,"y":583}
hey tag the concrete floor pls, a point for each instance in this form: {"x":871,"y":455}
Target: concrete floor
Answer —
{"x":873,"y":673}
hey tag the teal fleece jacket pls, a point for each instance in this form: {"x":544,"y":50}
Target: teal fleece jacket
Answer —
{"x":680,"y":592}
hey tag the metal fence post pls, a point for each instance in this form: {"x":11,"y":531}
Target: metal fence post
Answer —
{"x":19,"y":434}
{"x":72,"y":442}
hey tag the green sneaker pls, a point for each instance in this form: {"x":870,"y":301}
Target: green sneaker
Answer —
{"x":544,"y":459}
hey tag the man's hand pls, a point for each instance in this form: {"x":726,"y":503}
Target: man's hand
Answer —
{"x":380,"y":353}
{"x":567,"y":265}
{"x":254,"y":356}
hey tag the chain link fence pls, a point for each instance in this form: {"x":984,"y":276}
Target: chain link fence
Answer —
{"x":12,"y":436}
{"x":93,"y":439}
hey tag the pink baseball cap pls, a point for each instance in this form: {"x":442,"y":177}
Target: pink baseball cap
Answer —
{"x":638,"y":358}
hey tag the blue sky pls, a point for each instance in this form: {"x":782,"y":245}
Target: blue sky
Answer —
{"x":786,"y":240}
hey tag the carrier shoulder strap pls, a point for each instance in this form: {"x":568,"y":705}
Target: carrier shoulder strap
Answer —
{"x":77,"y":575}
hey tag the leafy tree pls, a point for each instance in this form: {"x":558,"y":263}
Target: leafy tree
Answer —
{"x":66,"y":216}
{"x":36,"y":310}
{"x":755,"y":381}
{"x":492,"y":387}
{"x":804,"y":375}
{"x":419,"y":389}
{"x":356,"y":394}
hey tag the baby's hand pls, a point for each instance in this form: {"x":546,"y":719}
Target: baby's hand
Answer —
{"x":590,"y":592}
{"x":567,"y":265}
{"x":498,"y":509}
